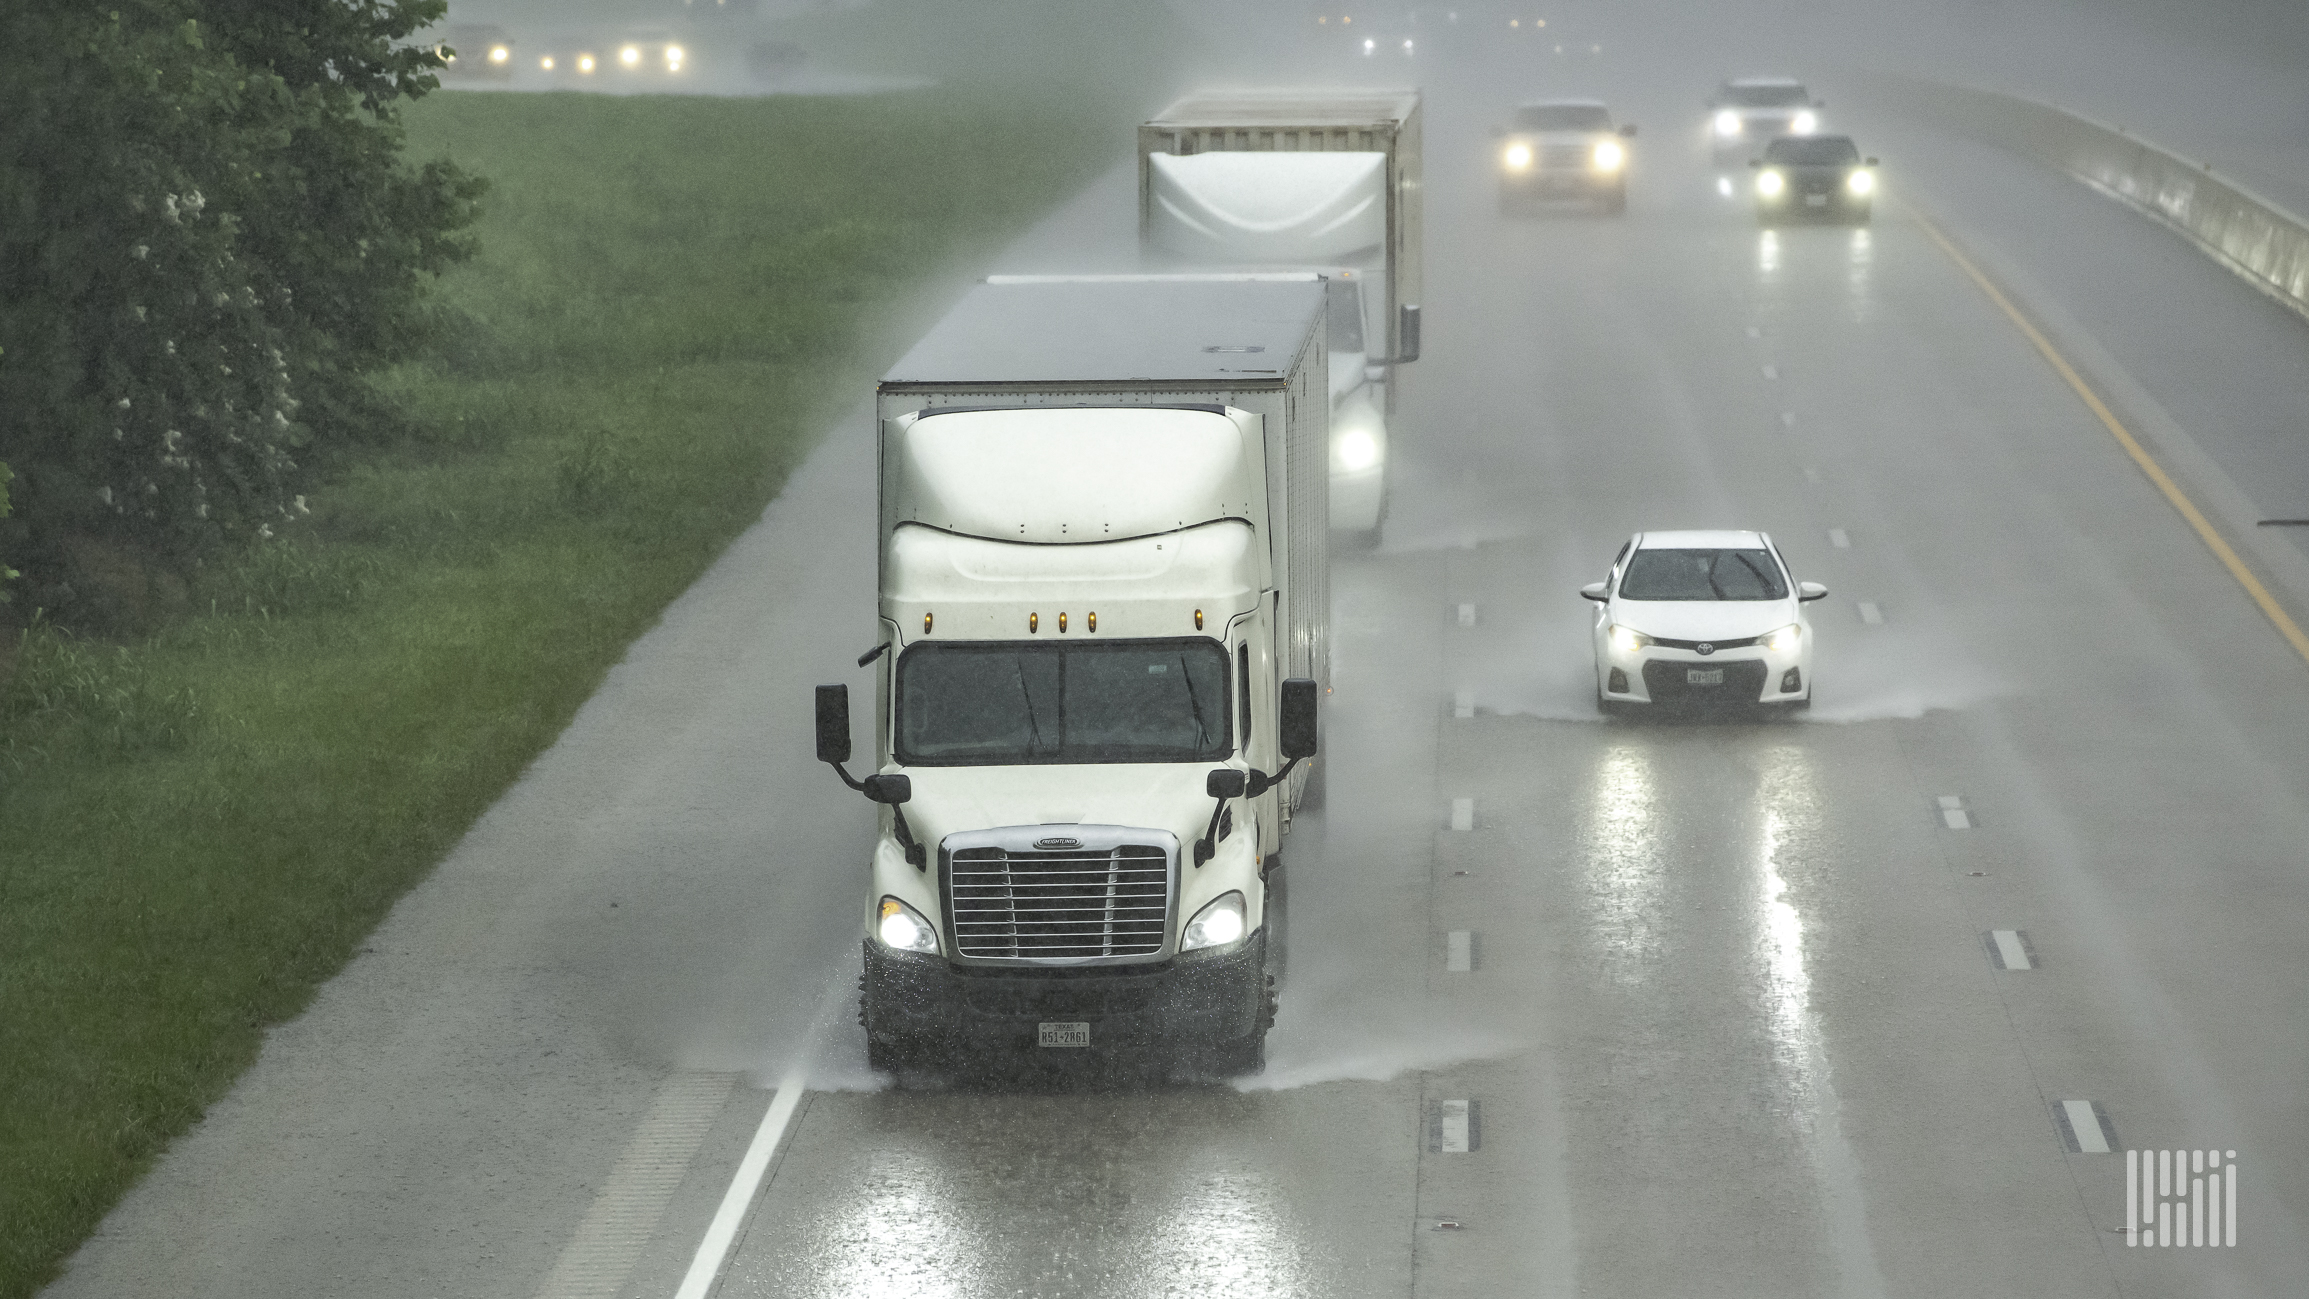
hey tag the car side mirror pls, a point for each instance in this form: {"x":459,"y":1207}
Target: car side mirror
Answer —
{"x":888,"y":789}
{"x":1407,"y":331}
{"x":1806,"y":591}
{"x":1596,"y":591}
{"x":1226,"y":782}
{"x":1629,"y":130}
{"x":834,"y":724}
{"x":1297,"y":731}
{"x":1871,"y":162}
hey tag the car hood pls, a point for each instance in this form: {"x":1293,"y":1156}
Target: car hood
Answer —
{"x":1704,"y":619}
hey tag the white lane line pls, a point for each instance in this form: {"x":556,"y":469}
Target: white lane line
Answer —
{"x":1839,"y":538}
{"x":1952,"y":813}
{"x":1467,"y":615}
{"x":2010,"y":948}
{"x":1754,"y":332}
{"x":2084,"y":1127}
{"x":1811,"y":475}
{"x":1453,"y":1130}
{"x":1463,"y":814}
{"x":1771,"y":372}
{"x":1951,"y":800}
{"x":1787,"y":419}
{"x":714,"y":1250}
{"x":625,"y":1214}
{"x":1463,"y":704}
{"x":1870,"y":614}
{"x":1459,"y":951}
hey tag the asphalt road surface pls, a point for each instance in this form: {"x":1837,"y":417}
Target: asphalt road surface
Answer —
{"x":1735,"y":1017}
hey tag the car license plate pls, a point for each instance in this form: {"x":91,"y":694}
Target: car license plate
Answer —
{"x":1815,"y":200}
{"x":1692,"y":677}
{"x":1075,"y":1034}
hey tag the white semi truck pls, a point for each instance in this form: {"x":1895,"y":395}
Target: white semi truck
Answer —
{"x":1105,"y":600}
{"x":1307,"y":180}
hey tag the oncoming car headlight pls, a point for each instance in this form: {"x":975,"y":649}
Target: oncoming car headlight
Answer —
{"x":1727,"y":122}
{"x":902,"y":927}
{"x":1609,"y":155}
{"x":500,"y":55}
{"x":1770,"y":183}
{"x":630,"y":56}
{"x":1216,"y":925}
{"x":1517,"y":157}
{"x":1785,"y":639}
{"x":673,"y":57}
{"x":1804,"y":123}
{"x":1861,"y":182}
{"x":1627,"y":640}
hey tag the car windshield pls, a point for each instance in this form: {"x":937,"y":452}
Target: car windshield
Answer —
{"x":1011,"y":702}
{"x":1702,"y":575}
{"x":1782,"y":96}
{"x":1819,"y":151}
{"x":1562,"y":117}
{"x":1346,"y":316}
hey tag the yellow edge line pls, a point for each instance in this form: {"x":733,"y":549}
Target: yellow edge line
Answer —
{"x":2157,"y":475}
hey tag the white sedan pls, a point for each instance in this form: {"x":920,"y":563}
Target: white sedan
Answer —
{"x":1702,"y":617}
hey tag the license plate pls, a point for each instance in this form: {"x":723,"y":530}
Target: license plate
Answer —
{"x":1077,"y":1034}
{"x":1815,"y":200}
{"x":1693,"y":677}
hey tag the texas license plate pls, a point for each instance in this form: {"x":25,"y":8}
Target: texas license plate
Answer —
{"x":1815,"y":200}
{"x":1697,"y":677}
{"x":1076,"y":1034}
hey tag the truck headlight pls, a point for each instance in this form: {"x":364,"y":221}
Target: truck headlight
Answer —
{"x":499,"y":54}
{"x":1770,"y":183}
{"x":1517,"y":157}
{"x":1785,"y":639}
{"x":1627,"y":640}
{"x":1804,"y":123}
{"x":1358,"y":450}
{"x":902,"y":928}
{"x":1219,"y":923}
{"x":1727,"y":123}
{"x":1862,"y":183}
{"x":673,"y":57}
{"x":630,"y":56}
{"x":1609,"y":156}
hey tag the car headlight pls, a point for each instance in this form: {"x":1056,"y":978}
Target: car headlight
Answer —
{"x":585,"y":63}
{"x":673,"y":57}
{"x":499,"y":54}
{"x":1785,"y":639}
{"x":1770,"y":183}
{"x":1627,"y":640}
{"x":1727,"y":123}
{"x":1216,"y":925}
{"x":1609,"y":155}
{"x":902,"y":928}
{"x":1804,"y":123}
{"x":1517,"y":157}
{"x":630,"y":56}
{"x":1861,"y":182}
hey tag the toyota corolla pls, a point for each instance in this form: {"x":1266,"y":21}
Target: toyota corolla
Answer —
{"x":1701,"y":618}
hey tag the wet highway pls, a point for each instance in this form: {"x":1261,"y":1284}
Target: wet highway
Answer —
{"x":1632,"y":1007}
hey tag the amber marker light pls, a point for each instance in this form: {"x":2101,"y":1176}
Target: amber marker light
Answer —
{"x":1198,"y":620}
{"x":1090,"y":621}
{"x":1062,"y":623}
{"x":1033,"y":623}
{"x":925,"y":624}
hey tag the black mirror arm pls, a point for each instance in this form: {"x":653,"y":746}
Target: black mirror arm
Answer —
{"x":1208,"y":846}
{"x":1260,"y":782}
{"x":874,"y":653}
{"x":915,"y":855}
{"x":846,"y":778}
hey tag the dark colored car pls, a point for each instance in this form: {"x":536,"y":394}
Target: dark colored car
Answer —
{"x":1816,"y":178}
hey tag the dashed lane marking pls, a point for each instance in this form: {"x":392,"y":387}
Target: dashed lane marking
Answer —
{"x":1839,"y":538}
{"x":2085,"y":1127}
{"x":1870,"y":614}
{"x":1467,"y":615}
{"x":1453,"y":1127}
{"x":1459,"y":951}
{"x":2164,"y":483}
{"x":1787,"y":419}
{"x":1463,"y":814}
{"x":1463,"y":704}
{"x":1952,"y":812}
{"x":2010,"y":949}
{"x":1811,"y":475}
{"x":1772,"y":372}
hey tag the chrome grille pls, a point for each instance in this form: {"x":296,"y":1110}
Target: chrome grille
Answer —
{"x":1095,"y":903}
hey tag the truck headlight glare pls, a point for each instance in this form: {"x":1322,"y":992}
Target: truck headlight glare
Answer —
{"x":1785,"y":639}
{"x":1770,"y":184}
{"x":902,"y":928}
{"x":1861,"y":182}
{"x":1517,"y":157}
{"x":1804,"y":123}
{"x":1727,"y":123}
{"x":1216,"y":925}
{"x":630,"y":56}
{"x":1358,"y":449}
{"x":1627,"y":640}
{"x":1609,"y":156}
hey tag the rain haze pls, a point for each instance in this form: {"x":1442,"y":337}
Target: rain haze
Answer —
{"x":1701,"y":687}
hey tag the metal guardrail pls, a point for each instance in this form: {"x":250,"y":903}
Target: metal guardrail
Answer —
{"x":2251,"y":235}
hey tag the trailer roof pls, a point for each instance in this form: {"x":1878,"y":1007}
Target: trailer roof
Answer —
{"x":1289,"y":108}
{"x":1220,"y":330}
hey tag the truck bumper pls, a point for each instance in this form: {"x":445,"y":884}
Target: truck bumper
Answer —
{"x":926,"y":1002}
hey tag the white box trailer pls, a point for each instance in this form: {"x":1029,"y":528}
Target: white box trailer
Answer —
{"x":1327,"y":181}
{"x":1104,"y":607}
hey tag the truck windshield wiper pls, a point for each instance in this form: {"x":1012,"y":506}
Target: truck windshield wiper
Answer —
{"x":1033,"y":731}
{"x":1194,"y":701}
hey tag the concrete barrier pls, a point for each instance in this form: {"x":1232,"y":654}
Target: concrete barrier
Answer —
{"x":2249,"y":234}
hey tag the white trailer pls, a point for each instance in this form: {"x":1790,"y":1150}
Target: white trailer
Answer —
{"x":1322,"y":181}
{"x":1104,"y":600}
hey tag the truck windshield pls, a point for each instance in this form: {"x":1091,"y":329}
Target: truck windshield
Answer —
{"x":998,"y":703}
{"x":1562,"y":117}
{"x":1346,"y":316}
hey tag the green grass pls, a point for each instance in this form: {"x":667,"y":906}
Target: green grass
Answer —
{"x":673,"y":296}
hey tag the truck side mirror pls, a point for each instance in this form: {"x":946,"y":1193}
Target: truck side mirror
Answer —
{"x":1407,"y":325}
{"x":1298,"y":722}
{"x":1225,"y":782}
{"x":1629,"y":130}
{"x":888,"y":789}
{"x":1871,"y":162}
{"x":833,"y":724}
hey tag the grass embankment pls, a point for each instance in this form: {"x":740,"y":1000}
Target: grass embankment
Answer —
{"x":671,"y":299}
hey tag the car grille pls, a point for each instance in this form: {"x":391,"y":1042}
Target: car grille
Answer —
{"x":1665,"y":682}
{"x":1555,"y":157}
{"x":1069,"y":905}
{"x":1713,"y":645}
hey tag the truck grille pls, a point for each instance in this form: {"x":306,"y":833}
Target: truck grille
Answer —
{"x":1082,"y":904}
